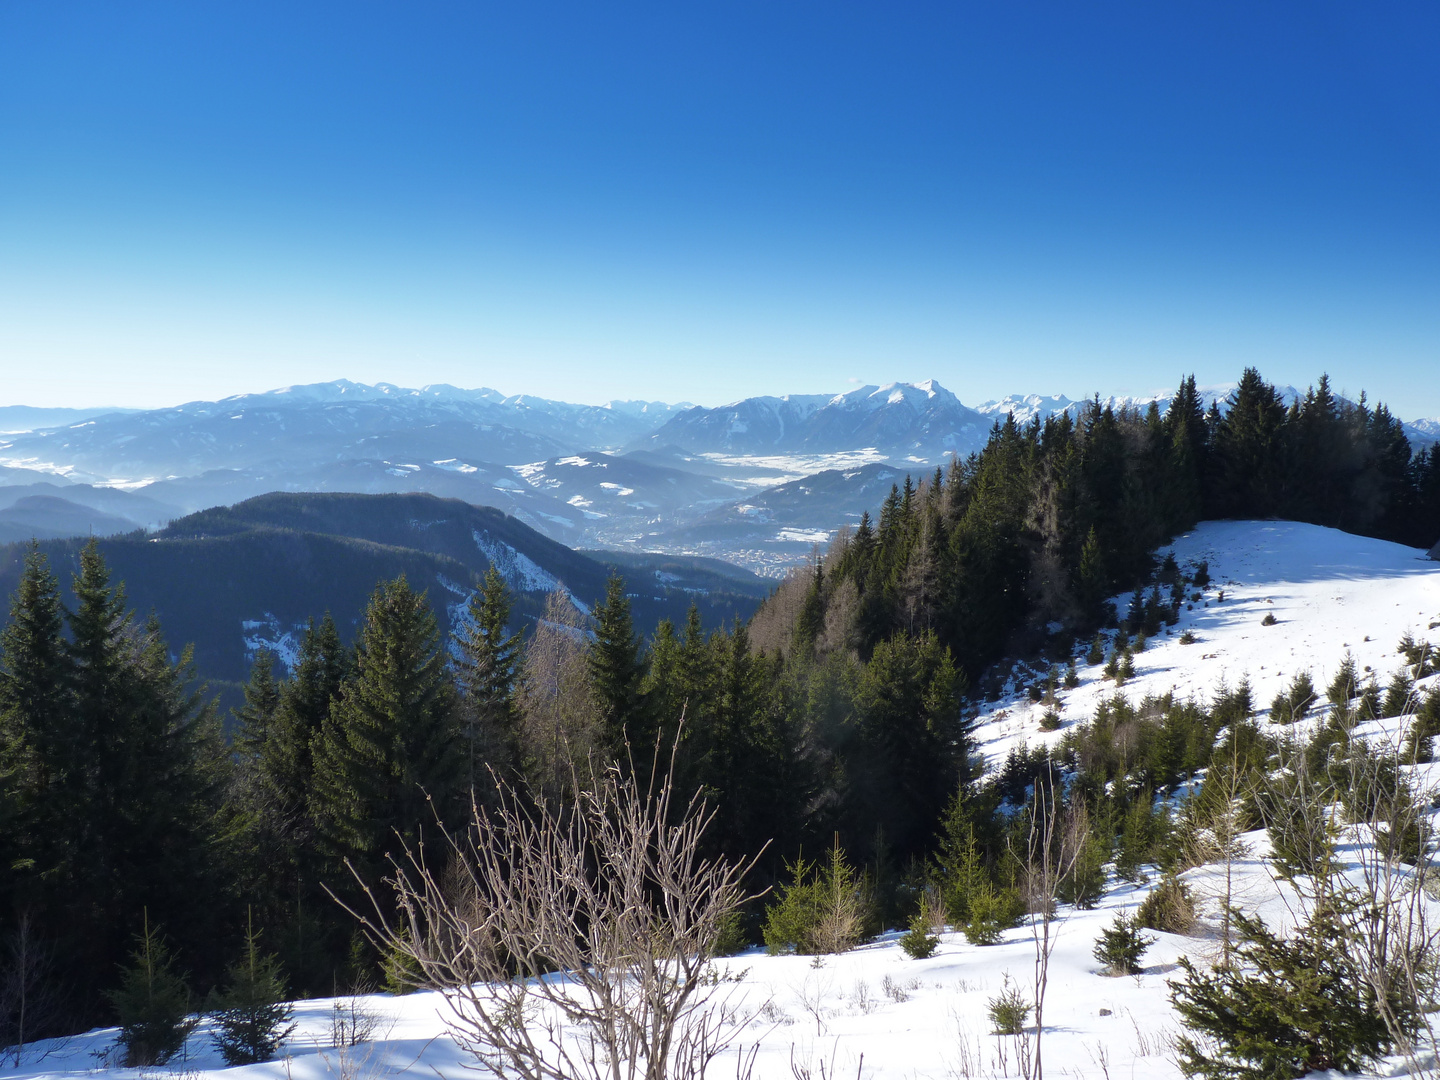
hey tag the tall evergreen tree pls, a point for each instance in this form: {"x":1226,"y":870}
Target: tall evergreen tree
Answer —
{"x":262,"y":701}
{"x":616,"y":665}
{"x":388,"y":759}
{"x":36,"y":740}
{"x":487,"y":668}
{"x":145,"y":777}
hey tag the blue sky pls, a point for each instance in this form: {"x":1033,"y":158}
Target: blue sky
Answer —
{"x":706,"y":201}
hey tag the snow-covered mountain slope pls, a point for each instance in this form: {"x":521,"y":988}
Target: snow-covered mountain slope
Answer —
{"x":1329,"y":591}
{"x":873,"y":1013}
{"x":920,"y":422}
{"x":325,"y":422}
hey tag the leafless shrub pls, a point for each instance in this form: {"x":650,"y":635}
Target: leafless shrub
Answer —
{"x":1053,"y":844}
{"x":861,"y":997}
{"x":352,"y":1023}
{"x":580,"y":943}
{"x":898,"y":992}
{"x":30,"y":1000}
{"x":810,"y":1068}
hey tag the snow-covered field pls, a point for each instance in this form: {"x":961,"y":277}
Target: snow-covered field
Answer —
{"x":927,"y":1018}
{"x":1330,"y":593}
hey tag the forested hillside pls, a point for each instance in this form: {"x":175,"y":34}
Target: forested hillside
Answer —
{"x":838,"y":718}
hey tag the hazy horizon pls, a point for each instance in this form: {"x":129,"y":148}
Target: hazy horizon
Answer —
{"x":707,"y":204}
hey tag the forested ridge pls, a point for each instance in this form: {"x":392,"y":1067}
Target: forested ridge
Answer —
{"x":839,"y":714}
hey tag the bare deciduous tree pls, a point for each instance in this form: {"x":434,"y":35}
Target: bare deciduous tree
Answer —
{"x":559,"y":726}
{"x":29,"y":998}
{"x":575,"y":941}
{"x":1052,"y":847}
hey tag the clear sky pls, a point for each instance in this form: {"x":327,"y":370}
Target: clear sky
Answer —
{"x":706,"y":201}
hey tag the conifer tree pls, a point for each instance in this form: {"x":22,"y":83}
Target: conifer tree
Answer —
{"x":388,"y":760}
{"x":152,"y":1002}
{"x":36,"y":738}
{"x":262,"y":700}
{"x":286,"y":756}
{"x":147,"y":766}
{"x":486,"y":672}
{"x":616,"y":665}
{"x":252,"y":1017}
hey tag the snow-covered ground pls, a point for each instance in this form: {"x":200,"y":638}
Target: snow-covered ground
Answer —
{"x":927,"y":1018}
{"x":1330,"y":592}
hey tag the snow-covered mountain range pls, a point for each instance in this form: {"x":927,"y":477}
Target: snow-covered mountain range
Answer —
{"x":627,"y":474}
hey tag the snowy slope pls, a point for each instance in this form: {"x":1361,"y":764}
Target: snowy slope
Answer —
{"x":927,"y":1018}
{"x":1329,"y":591}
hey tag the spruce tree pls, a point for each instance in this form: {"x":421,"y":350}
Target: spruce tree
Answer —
{"x":152,"y":1002}
{"x":36,"y":741}
{"x":262,"y":701}
{"x":487,"y":669}
{"x":147,"y":767}
{"x":388,"y":759}
{"x":1290,"y":1006}
{"x":616,"y":665}
{"x":252,"y":1017}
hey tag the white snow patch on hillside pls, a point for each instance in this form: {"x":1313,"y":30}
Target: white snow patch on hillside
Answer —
{"x":1330,"y":593}
{"x":267,"y":633}
{"x":521,"y":572}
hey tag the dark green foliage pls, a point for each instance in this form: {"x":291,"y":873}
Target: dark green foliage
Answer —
{"x":616,"y":663}
{"x":1168,"y":907}
{"x":252,"y":1017}
{"x":152,"y":1003}
{"x":1288,"y":1007}
{"x":1345,"y":686}
{"x":262,"y":700}
{"x":386,"y":762}
{"x":1085,"y":884}
{"x":1295,"y":702}
{"x":824,"y":909}
{"x":1096,"y":653}
{"x":1121,"y":945}
{"x":1399,"y":695}
{"x":1008,"y":1010}
{"x":1142,"y":830}
{"x":487,"y":669}
{"x":918,"y":942}
{"x":1269,"y":619}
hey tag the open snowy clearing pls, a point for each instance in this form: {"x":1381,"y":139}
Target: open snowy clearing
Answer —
{"x":1330,"y":593}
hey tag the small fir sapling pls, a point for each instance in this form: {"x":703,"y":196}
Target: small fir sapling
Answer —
{"x":1127,"y":668}
{"x":1096,"y":653}
{"x":1008,"y":1010}
{"x":1368,"y":707}
{"x":1169,"y":908}
{"x":1121,"y":945}
{"x":252,"y":1015}
{"x":1344,"y":686}
{"x":1268,"y":620}
{"x":1072,"y":677}
{"x":1050,"y":721}
{"x":1399,"y":695}
{"x":1188,"y":638}
{"x":1295,"y":702}
{"x":1202,"y":574}
{"x":918,"y":942}
{"x":1291,"y":1006}
{"x":152,"y":1003}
